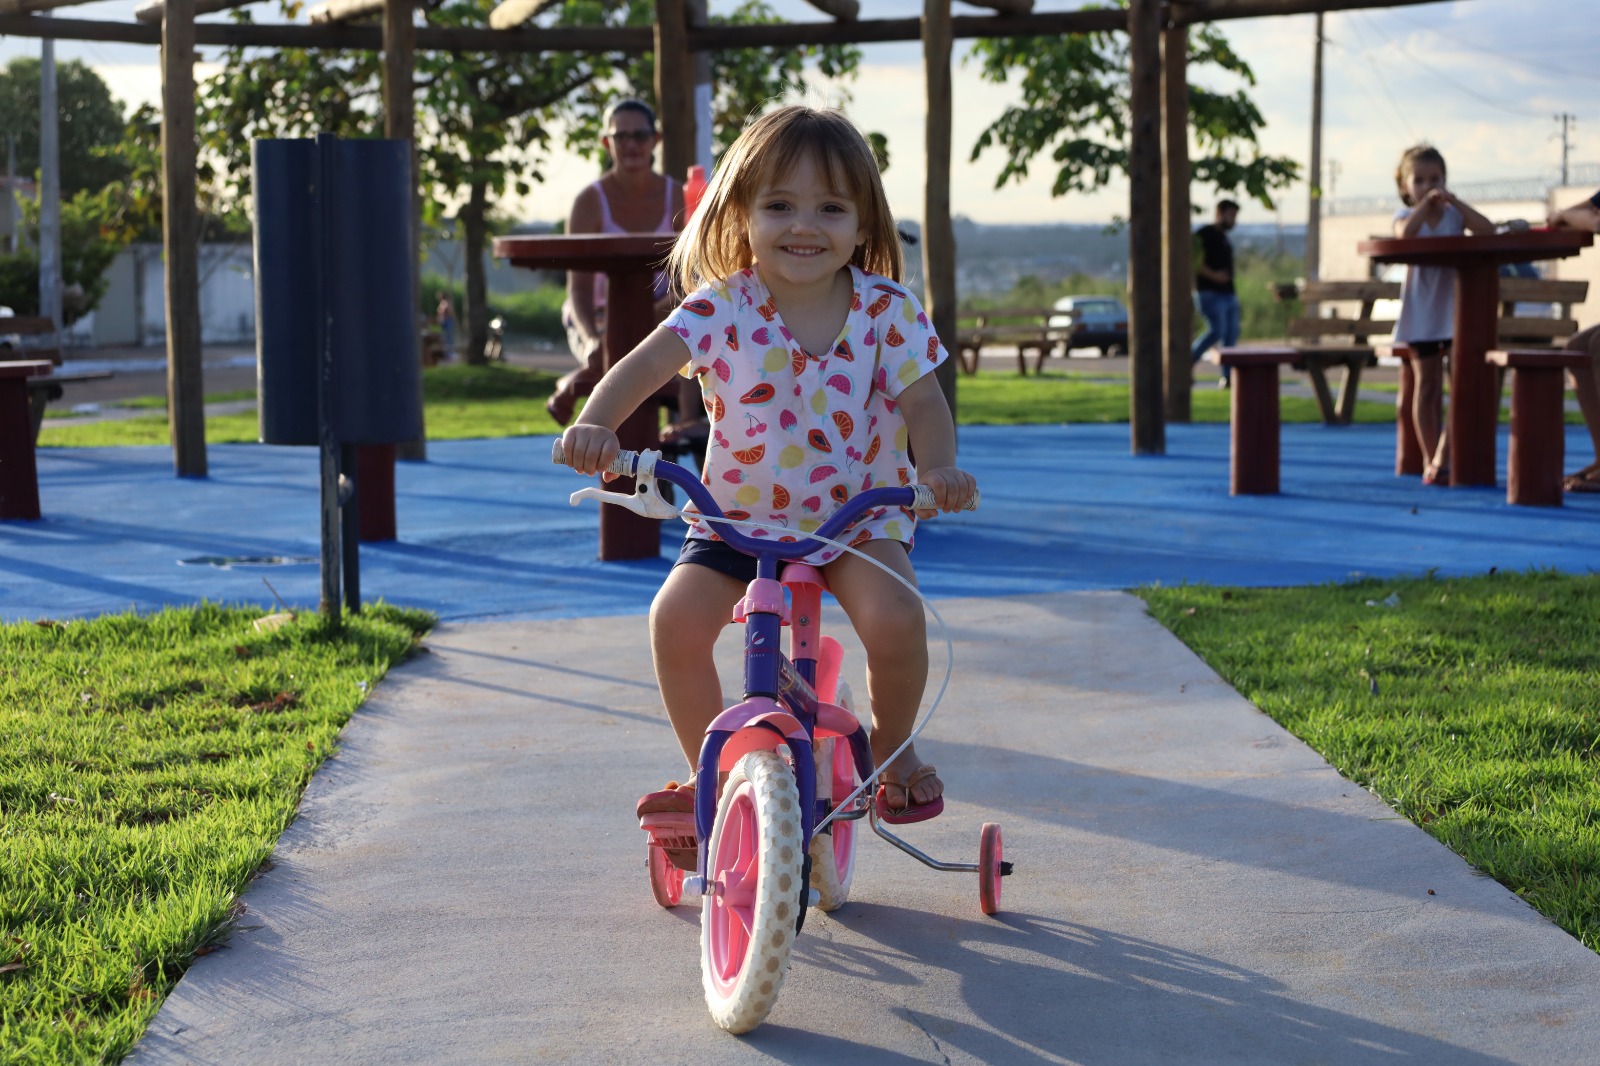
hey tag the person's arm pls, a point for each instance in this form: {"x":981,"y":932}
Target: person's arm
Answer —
{"x":1477,"y":222}
{"x":932,"y":434}
{"x":584,"y":218}
{"x":591,"y":444}
{"x":1412,"y":222}
{"x":1582,"y":215}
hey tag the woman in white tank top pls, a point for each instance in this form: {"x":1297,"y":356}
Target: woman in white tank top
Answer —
{"x":630,"y":197}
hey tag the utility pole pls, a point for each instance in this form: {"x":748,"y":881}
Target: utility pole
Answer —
{"x":49,"y":186}
{"x":1566,"y":121}
{"x":1314,"y":207}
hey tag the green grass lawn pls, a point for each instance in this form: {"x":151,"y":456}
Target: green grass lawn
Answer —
{"x":147,"y":767}
{"x":1470,"y":705}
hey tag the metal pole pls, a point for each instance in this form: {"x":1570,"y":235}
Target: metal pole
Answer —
{"x":325,"y":178}
{"x":350,"y":526}
{"x":1314,"y":207}
{"x":49,"y":187}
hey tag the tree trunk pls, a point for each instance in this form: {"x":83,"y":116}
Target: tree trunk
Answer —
{"x":474,"y":240}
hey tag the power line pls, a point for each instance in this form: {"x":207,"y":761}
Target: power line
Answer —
{"x":1539,"y":66}
{"x":1520,"y":112}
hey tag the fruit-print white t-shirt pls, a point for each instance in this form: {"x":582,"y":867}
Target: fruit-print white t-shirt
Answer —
{"x":794,"y":435}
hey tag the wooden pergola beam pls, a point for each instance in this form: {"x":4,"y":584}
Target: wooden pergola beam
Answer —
{"x":630,"y":40}
{"x":154,"y":10}
{"x":1188,"y":12}
{"x":843,"y":10}
{"x":19,"y":7}
{"x":1010,"y":7}
{"x":636,"y":40}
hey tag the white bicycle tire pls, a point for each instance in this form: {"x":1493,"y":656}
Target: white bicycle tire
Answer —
{"x":758,"y":819}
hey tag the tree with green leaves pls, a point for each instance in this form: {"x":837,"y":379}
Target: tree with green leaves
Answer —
{"x":89,"y":119}
{"x":1075,"y":106}
{"x":484,"y":120}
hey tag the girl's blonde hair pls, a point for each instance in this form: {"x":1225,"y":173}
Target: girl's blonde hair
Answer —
{"x":1417,"y":153}
{"x":715,"y":246}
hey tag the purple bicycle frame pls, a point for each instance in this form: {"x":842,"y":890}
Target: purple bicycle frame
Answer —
{"x":780,"y":705}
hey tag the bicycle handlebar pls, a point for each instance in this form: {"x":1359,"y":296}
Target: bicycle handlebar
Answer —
{"x":648,"y":465}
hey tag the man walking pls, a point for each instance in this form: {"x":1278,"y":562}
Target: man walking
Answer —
{"x":1219,"y":303}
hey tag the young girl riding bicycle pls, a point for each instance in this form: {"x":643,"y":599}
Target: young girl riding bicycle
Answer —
{"x":816,"y":367}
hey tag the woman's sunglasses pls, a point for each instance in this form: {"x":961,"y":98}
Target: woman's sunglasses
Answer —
{"x":636,"y":136}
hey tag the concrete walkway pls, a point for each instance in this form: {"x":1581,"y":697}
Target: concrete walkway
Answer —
{"x":464,"y":883}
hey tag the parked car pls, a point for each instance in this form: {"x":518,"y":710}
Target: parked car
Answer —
{"x":1091,"y":322}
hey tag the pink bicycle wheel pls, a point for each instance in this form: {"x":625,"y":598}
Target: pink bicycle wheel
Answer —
{"x":749,"y":910}
{"x":990,"y":856}
{"x":666,"y":880}
{"x":833,"y":851}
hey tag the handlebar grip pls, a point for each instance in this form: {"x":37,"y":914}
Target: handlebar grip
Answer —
{"x":622,"y":465}
{"x":924,"y":499}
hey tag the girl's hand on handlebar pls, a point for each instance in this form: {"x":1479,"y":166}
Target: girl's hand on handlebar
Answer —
{"x":952,"y":488}
{"x":590,"y":449}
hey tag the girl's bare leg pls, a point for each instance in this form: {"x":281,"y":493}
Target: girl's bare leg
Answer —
{"x":888,"y":618}
{"x":690,"y":611}
{"x":1425,"y":409}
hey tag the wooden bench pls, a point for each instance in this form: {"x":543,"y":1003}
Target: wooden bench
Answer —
{"x":1523,"y":332}
{"x":39,"y":341}
{"x":1025,"y":327}
{"x":1254,"y":421}
{"x":1335,"y":340}
{"x":1538,"y":422}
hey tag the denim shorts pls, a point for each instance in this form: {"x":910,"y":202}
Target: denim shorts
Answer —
{"x":722,"y":557}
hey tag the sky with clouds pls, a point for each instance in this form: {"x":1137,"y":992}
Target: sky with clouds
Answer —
{"x":1481,"y":79}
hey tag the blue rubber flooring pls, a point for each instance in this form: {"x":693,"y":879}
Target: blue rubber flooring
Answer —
{"x":486,"y":530}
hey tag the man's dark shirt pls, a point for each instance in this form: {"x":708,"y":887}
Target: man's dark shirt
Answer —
{"x":1217,"y":253}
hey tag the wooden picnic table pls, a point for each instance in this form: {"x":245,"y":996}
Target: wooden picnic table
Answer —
{"x":1474,"y":392}
{"x":629,"y":262}
{"x":19,"y":472}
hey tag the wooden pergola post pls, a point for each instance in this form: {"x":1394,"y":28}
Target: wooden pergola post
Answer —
{"x":1178,"y":270}
{"x":399,"y":123}
{"x":1144,"y":229}
{"x":181,"y":235}
{"x":938,"y":235}
{"x":675,"y":81}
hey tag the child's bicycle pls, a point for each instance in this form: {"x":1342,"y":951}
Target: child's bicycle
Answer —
{"x":782,"y":834}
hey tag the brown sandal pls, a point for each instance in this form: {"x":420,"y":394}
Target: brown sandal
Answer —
{"x":909,"y":811}
{"x":668,"y":816}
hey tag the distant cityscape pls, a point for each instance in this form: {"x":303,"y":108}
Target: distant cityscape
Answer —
{"x":993,"y":258}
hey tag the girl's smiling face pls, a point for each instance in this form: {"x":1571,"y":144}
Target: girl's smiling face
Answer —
{"x":1424,"y":177}
{"x":802,"y":232}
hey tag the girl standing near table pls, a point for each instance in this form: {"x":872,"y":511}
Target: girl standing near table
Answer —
{"x":1428,"y":294}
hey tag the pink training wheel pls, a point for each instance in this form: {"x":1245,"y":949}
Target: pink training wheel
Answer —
{"x":990,"y":856}
{"x":666,"y":880}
